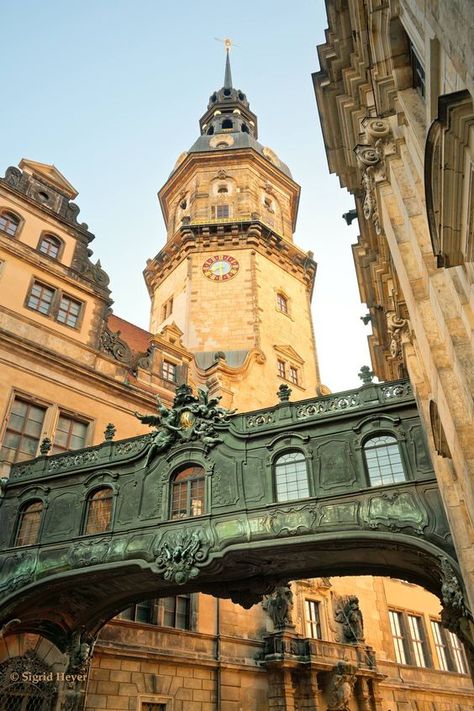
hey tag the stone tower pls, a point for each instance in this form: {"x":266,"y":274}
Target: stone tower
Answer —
{"x":230,"y":277}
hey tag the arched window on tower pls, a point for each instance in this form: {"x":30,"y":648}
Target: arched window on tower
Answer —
{"x":291,"y":477}
{"x":29,"y":523}
{"x":384,"y":461}
{"x":99,"y":511}
{"x":227,"y":123}
{"x":188,"y":493}
{"x":9,"y":222}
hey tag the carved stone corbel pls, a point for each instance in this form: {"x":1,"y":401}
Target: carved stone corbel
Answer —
{"x":371,"y":159}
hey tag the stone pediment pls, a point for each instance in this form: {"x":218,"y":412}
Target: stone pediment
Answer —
{"x":289,"y":353}
{"x":51,"y":174}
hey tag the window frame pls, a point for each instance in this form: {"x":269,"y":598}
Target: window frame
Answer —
{"x":29,"y":401}
{"x":281,"y":298}
{"x":73,"y":417}
{"x":167,"y":308}
{"x":60,"y":242}
{"x":164,"y":363}
{"x":21,"y":517}
{"x":188,"y":611}
{"x":370,"y":477}
{"x":172,"y":511}
{"x":88,"y":498}
{"x":15,"y":214}
{"x":55,"y":306}
{"x":408,"y":644}
{"x":275,"y":464}
{"x":310,"y":604}
{"x":452,"y":649}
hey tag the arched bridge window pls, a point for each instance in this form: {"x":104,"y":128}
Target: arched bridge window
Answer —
{"x":384,"y":461}
{"x":188,"y":493}
{"x":291,"y":477}
{"x":29,"y":523}
{"x":99,"y":511}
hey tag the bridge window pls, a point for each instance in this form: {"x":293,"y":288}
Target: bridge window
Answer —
{"x":384,"y":462}
{"x":312,"y":619}
{"x":29,"y":524}
{"x":99,"y":511}
{"x":291,"y":477}
{"x":188,"y":493}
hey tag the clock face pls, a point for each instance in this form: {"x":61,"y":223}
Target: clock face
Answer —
{"x":220,"y":268}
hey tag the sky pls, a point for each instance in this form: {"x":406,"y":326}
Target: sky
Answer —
{"x":111,"y":91}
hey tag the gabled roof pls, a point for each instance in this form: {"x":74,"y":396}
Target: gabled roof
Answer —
{"x":51,"y":174}
{"x":137,"y":338}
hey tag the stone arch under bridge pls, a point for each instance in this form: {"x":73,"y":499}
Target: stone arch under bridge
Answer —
{"x":244,"y":533}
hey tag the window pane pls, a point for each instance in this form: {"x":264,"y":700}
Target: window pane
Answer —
{"x":68,"y":312}
{"x":23,"y":431}
{"x":397,"y":635}
{"x":417,"y":640}
{"x":384,"y":463}
{"x":438,"y":634}
{"x":70,"y":434}
{"x":313,"y":624}
{"x":9,"y":223}
{"x":29,"y":524}
{"x":40,"y":298}
{"x":99,"y":511}
{"x":291,"y":477}
{"x":457,"y":653}
{"x":188,"y":493}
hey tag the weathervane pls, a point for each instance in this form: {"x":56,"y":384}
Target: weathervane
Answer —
{"x":227,"y":42}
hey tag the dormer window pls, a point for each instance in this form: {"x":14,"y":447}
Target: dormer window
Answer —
{"x":50,"y":245}
{"x":9,"y":223}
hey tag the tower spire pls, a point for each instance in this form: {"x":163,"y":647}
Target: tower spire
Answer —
{"x":228,"y":73}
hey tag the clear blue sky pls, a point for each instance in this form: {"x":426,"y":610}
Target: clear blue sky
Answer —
{"x":111,"y":91}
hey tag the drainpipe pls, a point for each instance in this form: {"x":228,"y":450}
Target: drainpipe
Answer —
{"x":218,"y":654}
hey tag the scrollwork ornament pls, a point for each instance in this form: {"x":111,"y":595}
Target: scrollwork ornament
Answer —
{"x":181,"y":554}
{"x":454,"y":605}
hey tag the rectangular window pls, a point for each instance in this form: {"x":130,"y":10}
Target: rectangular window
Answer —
{"x":176,"y":612}
{"x":396,"y":626}
{"x":41,"y":298}
{"x":49,"y":301}
{"x":70,"y":434}
{"x":313,"y":621}
{"x":418,"y":71}
{"x":294,"y":375}
{"x":417,"y":638}
{"x":440,"y":644}
{"x":167,"y":308}
{"x":23,"y":432}
{"x":281,"y":369}
{"x":153,"y":706}
{"x":282,"y":303}
{"x":168,"y":371}
{"x":457,"y":653}
{"x":68,"y":311}
{"x":222,"y":211}
{"x":143,"y":612}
